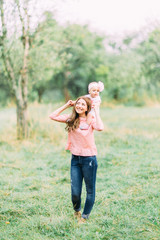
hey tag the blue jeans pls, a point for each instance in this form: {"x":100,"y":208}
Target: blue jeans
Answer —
{"x":83,"y":167}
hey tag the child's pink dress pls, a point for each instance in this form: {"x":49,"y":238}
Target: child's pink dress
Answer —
{"x":97,"y":99}
{"x":94,"y":101}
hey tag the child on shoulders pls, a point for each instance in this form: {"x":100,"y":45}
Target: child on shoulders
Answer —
{"x":93,"y":88}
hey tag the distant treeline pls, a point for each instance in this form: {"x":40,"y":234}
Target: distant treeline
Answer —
{"x":63,"y":60}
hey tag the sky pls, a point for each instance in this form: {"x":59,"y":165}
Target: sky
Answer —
{"x":115,"y":18}
{"x":106,"y":16}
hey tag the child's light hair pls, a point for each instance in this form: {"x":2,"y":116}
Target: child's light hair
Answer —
{"x":99,"y":84}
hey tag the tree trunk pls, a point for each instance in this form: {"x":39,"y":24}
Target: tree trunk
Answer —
{"x":66,"y":94}
{"x":22,"y":124}
{"x":39,"y":97}
{"x":40,"y":94}
{"x":19,"y":84}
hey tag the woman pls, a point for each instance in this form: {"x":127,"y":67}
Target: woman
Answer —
{"x":82,"y":146}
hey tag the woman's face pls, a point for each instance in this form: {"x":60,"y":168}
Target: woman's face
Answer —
{"x":81,"y":107}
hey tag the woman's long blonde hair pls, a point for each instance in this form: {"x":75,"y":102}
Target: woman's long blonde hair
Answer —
{"x":73,"y":121}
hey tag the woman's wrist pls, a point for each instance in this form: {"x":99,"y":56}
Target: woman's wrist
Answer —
{"x":65,"y":106}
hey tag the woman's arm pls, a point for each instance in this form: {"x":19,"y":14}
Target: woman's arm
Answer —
{"x":98,"y":125}
{"x":56,"y":114}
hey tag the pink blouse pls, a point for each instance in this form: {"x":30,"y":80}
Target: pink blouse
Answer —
{"x":80,"y":142}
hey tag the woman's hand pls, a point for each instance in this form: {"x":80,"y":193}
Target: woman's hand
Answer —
{"x":70,"y":103}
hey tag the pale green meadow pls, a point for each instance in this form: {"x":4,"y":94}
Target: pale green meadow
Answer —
{"x":35,"y":199}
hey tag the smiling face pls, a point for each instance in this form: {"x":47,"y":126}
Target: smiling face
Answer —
{"x":81,"y":107}
{"x":94,"y":92}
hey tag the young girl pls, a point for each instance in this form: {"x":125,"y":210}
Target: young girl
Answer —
{"x":82,"y":146}
{"x":93,"y":88}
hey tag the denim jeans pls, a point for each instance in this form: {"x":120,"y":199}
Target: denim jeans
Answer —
{"x":83,"y":168}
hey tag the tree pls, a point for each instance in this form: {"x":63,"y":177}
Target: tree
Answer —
{"x":18,"y":77}
{"x":43,"y":54}
{"x":150,"y":49}
{"x":5,"y":88}
{"x":80,"y":53}
{"x":65,"y":58}
{"x":124,"y":75}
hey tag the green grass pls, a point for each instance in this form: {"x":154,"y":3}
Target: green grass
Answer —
{"x":35,"y":201}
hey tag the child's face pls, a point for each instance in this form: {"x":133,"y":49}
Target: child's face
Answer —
{"x":94,"y":92}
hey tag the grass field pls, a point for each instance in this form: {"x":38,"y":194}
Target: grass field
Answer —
{"x":35,"y":200}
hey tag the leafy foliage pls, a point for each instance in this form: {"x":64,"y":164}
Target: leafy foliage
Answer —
{"x":64,"y":59}
{"x":150,"y":49}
